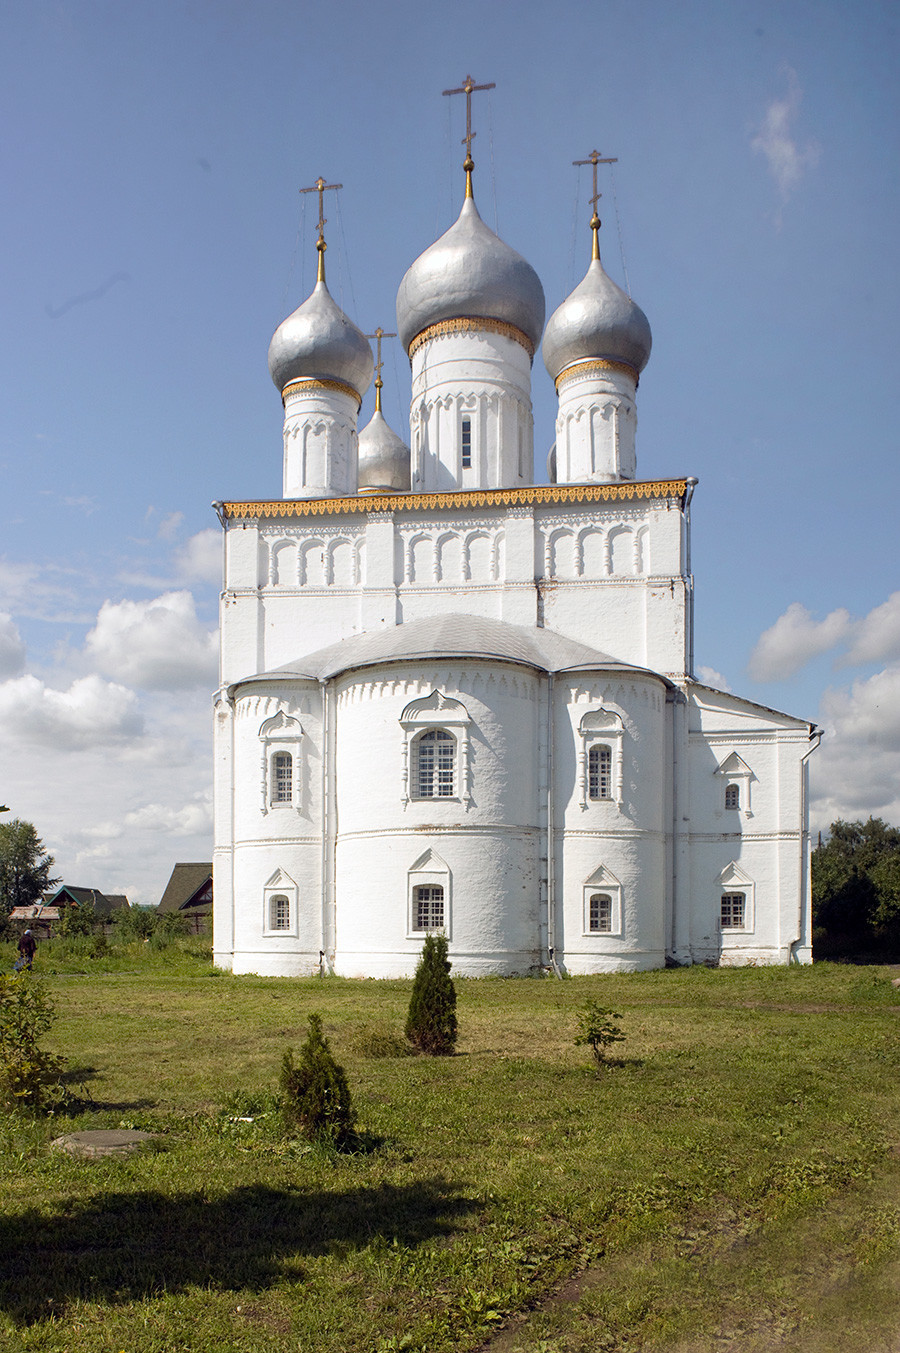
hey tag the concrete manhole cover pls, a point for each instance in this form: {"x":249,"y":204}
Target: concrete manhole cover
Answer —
{"x":101,"y":1142}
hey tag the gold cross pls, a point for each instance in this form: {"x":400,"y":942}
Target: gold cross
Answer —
{"x":321,"y":187}
{"x":594,"y":159}
{"x":468,"y":88}
{"x":379,"y":334}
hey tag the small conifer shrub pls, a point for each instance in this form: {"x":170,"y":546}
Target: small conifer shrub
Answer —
{"x":597,"y":1028}
{"x":315,"y":1096}
{"x":431,"y":1021}
{"x":30,"y":1077}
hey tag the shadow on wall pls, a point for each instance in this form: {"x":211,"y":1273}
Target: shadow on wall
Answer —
{"x":121,"y":1247}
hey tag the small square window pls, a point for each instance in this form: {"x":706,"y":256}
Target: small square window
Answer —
{"x":600,"y":912}
{"x":428,"y":907}
{"x":733,"y":911}
{"x":732,"y":796}
{"x":279,"y":913}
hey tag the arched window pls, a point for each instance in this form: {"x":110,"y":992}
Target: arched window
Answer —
{"x":732,"y":796}
{"x":434,"y":766}
{"x":733,"y":913}
{"x":600,"y":912}
{"x":279,"y":912}
{"x":282,"y":778}
{"x":600,"y":772}
{"x":428,"y":907}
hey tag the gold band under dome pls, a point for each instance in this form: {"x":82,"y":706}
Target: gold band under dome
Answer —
{"x":299,"y":387}
{"x":472,"y":326}
{"x":594,"y":364}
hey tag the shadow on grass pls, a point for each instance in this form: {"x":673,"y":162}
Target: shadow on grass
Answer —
{"x":121,"y":1247}
{"x":79,"y":1098}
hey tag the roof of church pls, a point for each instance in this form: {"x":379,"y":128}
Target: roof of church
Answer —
{"x":455,"y":636}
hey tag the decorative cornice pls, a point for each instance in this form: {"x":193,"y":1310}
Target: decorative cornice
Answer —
{"x":314,"y":383}
{"x":405,"y":502}
{"x":580,"y":369}
{"x":472,"y":326}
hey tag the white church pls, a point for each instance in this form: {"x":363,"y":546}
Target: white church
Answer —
{"x":452,"y":700}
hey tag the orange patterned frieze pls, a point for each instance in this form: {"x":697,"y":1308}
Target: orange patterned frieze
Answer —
{"x":533,"y":496}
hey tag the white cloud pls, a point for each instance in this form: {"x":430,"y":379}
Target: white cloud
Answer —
{"x":92,"y":712}
{"x":158,"y":644}
{"x":876,"y":638}
{"x":12,"y":649}
{"x":710,"y":677}
{"x":794,"y":640}
{"x":187,"y":820}
{"x":170,"y":526}
{"x":856,"y":771}
{"x":200,"y":559}
{"x":776,"y":140}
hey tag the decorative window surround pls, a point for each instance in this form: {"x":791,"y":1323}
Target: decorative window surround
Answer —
{"x":735,"y":775}
{"x":280,"y":906}
{"x":436,"y":711}
{"x":731,"y":882}
{"x":428,"y":874}
{"x":280,"y":734}
{"x":602,"y":884}
{"x":601,"y":728}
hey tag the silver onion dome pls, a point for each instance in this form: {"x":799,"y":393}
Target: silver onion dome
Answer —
{"x":469,"y":273}
{"x":597,"y":320}
{"x":319,"y":341}
{"x":384,"y":459}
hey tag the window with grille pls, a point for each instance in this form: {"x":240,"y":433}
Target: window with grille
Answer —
{"x":733,"y":911}
{"x":732,"y":796}
{"x":600,"y":773}
{"x":282,"y":777}
{"x":466,"y":439}
{"x":428,"y":907}
{"x":600,"y":912}
{"x":279,"y":913}
{"x":435,"y":759}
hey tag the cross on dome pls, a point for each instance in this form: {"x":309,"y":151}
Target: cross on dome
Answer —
{"x":321,"y":187}
{"x":469,"y":88}
{"x":594,"y":159}
{"x":378,"y":335}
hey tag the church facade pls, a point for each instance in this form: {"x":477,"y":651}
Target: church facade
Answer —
{"x":452,"y":700}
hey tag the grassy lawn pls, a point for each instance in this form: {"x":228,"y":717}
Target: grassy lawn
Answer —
{"x":733,"y":1182}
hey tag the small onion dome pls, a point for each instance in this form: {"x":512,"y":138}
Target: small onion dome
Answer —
{"x":383,"y":458}
{"x":318,"y":341}
{"x":597,"y":321}
{"x":469,"y":273}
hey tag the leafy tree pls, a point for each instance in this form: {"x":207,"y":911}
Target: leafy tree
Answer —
{"x":315,"y":1096}
{"x":29,"y":1075}
{"x":24,"y":865}
{"x":78,"y":920}
{"x":856,"y":884}
{"x":431,"y":1019}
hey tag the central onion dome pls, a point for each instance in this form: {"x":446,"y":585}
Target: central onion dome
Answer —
{"x":319,"y":342}
{"x":597,"y":321}
{"x":469,"y":273}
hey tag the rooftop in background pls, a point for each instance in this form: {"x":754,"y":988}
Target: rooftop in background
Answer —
{"x":189,"y":889}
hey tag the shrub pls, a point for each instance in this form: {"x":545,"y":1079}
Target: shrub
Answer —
{"x":29,"y":1076}
{"x":598,"y":1029}
{"x":75,"y":921}
{"x":431,"y":1021}
{"x":315,"y":1096}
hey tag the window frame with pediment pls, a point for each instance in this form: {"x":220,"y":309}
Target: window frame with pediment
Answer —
{"x":280,"y":887}
{"x":601,"y":728}
{"x":735,"y":775}
{"x":730,"y":882}
{"x":603,"y":883}
{"x":428,"y":871}
{"x":436,"y":713}
{"x":280,"y":735}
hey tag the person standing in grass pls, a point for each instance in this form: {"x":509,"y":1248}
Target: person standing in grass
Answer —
{"x":27,"y":947}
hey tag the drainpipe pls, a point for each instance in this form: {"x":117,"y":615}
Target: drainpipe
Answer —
{"x":815,"y":737}
{"x":326,"y":828}
{"x":551,"y":836}
{"x":690,"y":483}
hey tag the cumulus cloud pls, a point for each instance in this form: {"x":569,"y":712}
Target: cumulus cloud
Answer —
{"x":187,"y":820}
{"x":200,"y":559}
{"x":170,"y":526}
{"x":12,"y":649}
{"x":856,"y":771}
{"x":776,"y":140}
{"x":876,"y":638}
{"x":157,"y":645}
{"x":92,"y":712}
{"x":710,"y":677}
{"x":794,"y":640}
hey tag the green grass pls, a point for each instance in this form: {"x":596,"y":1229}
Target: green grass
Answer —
{"x":732,"y":1180}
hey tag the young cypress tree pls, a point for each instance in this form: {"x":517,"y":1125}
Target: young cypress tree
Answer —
{"x":431,"y":1021}
{"x":315,"y":1096}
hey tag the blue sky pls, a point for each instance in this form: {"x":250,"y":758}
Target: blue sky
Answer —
{"x":153,"y":238}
